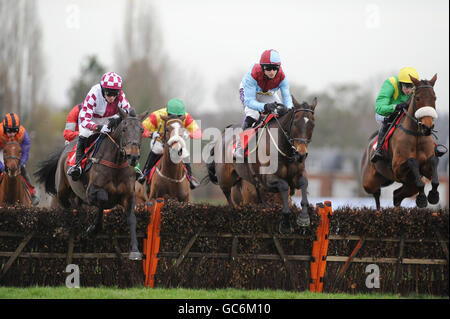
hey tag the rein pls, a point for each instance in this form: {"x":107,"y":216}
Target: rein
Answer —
{"x":12,"y":157}
{"x":290,"y":139}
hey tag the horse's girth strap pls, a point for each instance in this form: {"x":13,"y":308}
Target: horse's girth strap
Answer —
{"x":108,"y":163}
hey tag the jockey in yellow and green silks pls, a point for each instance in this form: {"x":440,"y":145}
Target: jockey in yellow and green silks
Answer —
{"x":154,"y":128}
{"x":392,"y":98}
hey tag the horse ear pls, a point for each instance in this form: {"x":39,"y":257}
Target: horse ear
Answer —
{"x":164,"y":118}
{"x":122,"y":113}
{"x":314,"y":103}
{"x":415,"y":81}
{"x":143,"y":116}
{"x":433,"y":80}
{"x":182,"y":118}
{"x":294,"y":101}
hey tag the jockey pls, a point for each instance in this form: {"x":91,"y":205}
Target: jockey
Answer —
{"x":71,"y":129}
{"x":259,"y":86}
{"x":10,"y":129}
{"x":155,"y":127}
{"x":101,"y":105}
{"x":392,"y":99}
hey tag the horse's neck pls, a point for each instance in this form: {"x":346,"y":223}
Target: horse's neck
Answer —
{"x":408,"y":123}
{"x":169,"y":168}
{"x":109,"y":151}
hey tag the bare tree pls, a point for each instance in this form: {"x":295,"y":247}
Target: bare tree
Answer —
{"x":151,"y":78}
{"x":21,"y":68}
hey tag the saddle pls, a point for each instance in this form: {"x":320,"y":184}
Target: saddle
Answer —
{"x":246,"y":136}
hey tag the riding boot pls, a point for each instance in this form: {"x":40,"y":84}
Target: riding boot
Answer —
{"x":34,"y":198}
{"x":378,"y":155}
{"x":193,"y":184}
{"x":152,"y":159}
{"x":248,"y":122}
{"x":76,"y":170}
{"x":239,"y":151}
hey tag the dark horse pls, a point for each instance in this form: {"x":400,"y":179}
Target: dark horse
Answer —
{"x":170,"y":175}
{"x":285,"y":139}
{"x":411,"y":150}
{"x":12,"y":188}
{"x":110,"y":181}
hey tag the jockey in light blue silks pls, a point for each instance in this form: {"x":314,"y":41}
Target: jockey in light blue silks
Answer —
{"x":259,"y":86}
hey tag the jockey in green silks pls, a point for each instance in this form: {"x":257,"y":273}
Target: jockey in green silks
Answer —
{"x":392,"y":98}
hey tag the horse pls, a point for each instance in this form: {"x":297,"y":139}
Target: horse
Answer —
{"x":170,"y":174}
{"x":411,"y":150}
{"x":12,"y":188}
{"x":245,"y":193}
{"x":293,"y":131}
{"x":109,"y":182}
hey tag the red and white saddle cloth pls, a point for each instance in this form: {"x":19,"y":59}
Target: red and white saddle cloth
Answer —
{"x":246,"y":136}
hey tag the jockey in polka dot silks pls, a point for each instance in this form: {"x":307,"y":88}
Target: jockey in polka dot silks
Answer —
{"x":101,"y":105}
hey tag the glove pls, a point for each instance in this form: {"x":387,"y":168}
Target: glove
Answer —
{"x":270,"y":107}
{"x":155,"y":135}
{"x":102,"y":129}
{"x":401,"y":106}
{"x":281,"y":109}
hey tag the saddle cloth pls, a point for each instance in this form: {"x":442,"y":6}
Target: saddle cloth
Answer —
{"x":388,"y":136}
{"x":71,"y":159}
{"x":246,"y":136}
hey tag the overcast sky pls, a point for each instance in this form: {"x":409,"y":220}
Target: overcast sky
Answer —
{"x":320,"y":42}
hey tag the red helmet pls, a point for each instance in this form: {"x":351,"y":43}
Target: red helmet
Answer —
{"x":270,"y":57}
{"x":111,"y":80}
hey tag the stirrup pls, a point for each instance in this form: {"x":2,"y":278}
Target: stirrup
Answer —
{"x":193,"y":183}
{"x":75,"y":172}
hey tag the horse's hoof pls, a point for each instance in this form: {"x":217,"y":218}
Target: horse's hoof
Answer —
{"x":433,"y":197}
{"x":135,"y":255}
{"x":303,"y":220}
{"x":285,"y":228}
{"x":421,"y":201}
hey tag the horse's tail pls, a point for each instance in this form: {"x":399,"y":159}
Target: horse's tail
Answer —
{"x":211,"y":166}
{"x":47,"y":170}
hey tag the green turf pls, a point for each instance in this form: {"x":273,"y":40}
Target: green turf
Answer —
{"x":179,"y":293}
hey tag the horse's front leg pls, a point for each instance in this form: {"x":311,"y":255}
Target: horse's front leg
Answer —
{"x":131,"y":219}
{"x":413,"y":164}
{"x":98,"y":197}
{"x":283,"y":188}
{"x":303,"y":218}
{"x":433,"y":195}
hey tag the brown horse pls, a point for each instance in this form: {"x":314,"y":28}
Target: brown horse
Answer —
{"x":411,"y":151}
{"x":170,"y":175}
{"x":12,"y":188}
{"x":277,"y":164}
{"x":110,"y":181}
{"x":244,"y":193}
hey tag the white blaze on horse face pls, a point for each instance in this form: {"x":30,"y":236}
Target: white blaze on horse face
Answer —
{"x":177,"y":137}
{"x":306,"y":120}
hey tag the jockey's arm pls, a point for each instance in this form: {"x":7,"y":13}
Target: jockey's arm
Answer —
{"x":250,"y":101}
{"x":286,"y":94}
{"x":192,"y":127}
{"x":383,"y":104}
{"x":25,"y":149}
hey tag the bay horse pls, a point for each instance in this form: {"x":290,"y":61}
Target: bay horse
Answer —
{"x":12,"y":188}
{"x":293,"y":132}
{"x":170,"y":174}
{"x":109,"y":182}
{"x":411,"y":151}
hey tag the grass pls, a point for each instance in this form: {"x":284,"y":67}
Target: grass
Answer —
{"x":181,"y":293}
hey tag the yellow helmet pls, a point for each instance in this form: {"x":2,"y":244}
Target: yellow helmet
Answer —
{"x":403,"y":75}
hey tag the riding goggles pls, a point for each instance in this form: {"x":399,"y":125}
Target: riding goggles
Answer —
{"x":271,"y":67}
{"x":11,"y":130}
{"x":111,"y":92}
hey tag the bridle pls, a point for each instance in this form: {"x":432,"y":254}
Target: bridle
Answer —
{"x":422,"y":130}
{"x":121,"y":145}
{"x":291,"y":140}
